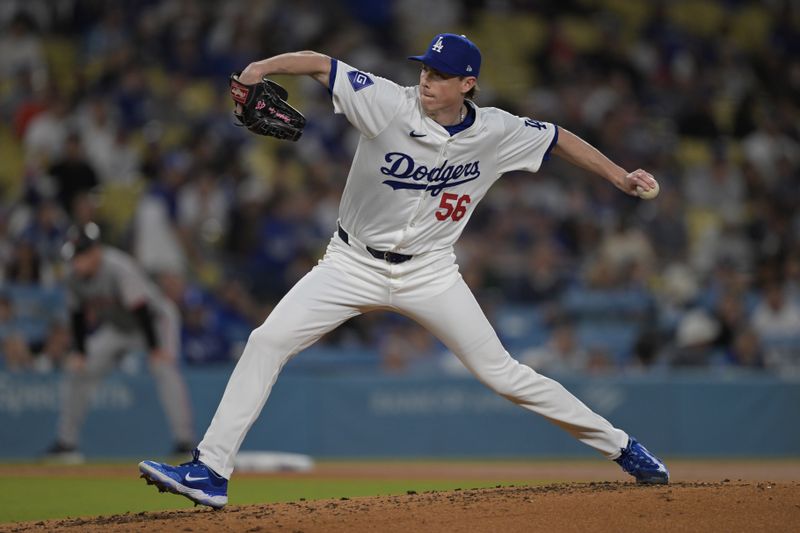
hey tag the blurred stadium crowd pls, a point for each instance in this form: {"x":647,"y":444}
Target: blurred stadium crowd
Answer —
{"x":118,"y":113}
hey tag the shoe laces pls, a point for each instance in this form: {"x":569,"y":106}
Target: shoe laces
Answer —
{"x":197,"y":462}
{"x":195,"y":459}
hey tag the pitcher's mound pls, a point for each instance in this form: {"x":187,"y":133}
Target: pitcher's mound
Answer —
{"x":723,"y":506}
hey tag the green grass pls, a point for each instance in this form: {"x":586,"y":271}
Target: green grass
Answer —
{"x":42,"y":498}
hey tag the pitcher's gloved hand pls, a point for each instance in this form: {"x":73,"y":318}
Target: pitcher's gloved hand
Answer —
{"x":262,"y":109}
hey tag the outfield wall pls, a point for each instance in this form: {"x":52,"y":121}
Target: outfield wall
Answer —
{"x":371,"y":416}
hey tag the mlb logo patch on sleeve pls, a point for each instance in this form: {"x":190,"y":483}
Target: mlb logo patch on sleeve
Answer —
{"x":359,"y":80}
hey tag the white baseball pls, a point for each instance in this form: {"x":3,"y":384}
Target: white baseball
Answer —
{"x":649,"y":194}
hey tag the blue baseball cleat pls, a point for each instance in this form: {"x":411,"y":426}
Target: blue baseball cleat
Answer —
{"x":643,"y":465}
{"x":194,"y":480}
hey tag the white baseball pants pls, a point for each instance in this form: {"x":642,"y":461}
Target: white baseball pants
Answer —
{"x":429,"y":289}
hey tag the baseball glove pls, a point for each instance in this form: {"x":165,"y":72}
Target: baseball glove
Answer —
{"x":263,"y":109}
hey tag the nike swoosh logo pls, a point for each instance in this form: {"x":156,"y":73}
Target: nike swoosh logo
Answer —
{"x":415,"y":134}
{"x":190,"y":478}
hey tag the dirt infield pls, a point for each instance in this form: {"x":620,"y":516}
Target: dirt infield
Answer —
{"x":606,"y":506}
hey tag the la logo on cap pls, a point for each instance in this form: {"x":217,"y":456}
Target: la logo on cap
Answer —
{"x":452,"y":54}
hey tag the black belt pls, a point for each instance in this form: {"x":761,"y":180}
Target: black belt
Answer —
{"x":390,"y":257}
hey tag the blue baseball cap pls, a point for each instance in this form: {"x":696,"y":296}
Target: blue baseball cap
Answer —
{"x":452,"y":54}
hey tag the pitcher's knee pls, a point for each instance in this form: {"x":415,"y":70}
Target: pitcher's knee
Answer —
{"x":269,"y":340}
{"x":510,"y":380}
{"x":502,"y":386}
{"x":264,"y":336}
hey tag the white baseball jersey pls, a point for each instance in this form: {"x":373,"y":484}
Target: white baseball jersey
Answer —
{"x":412,"y":187}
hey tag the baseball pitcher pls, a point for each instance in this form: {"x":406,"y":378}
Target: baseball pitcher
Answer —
{"x":427,"y":155}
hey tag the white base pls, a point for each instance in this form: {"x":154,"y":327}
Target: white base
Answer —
{"x":272,"y":462}
{"x":65,"y":458}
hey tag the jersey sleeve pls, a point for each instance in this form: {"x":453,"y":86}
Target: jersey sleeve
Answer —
{"x":525,"y":144}
{"x":369,"y":102}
